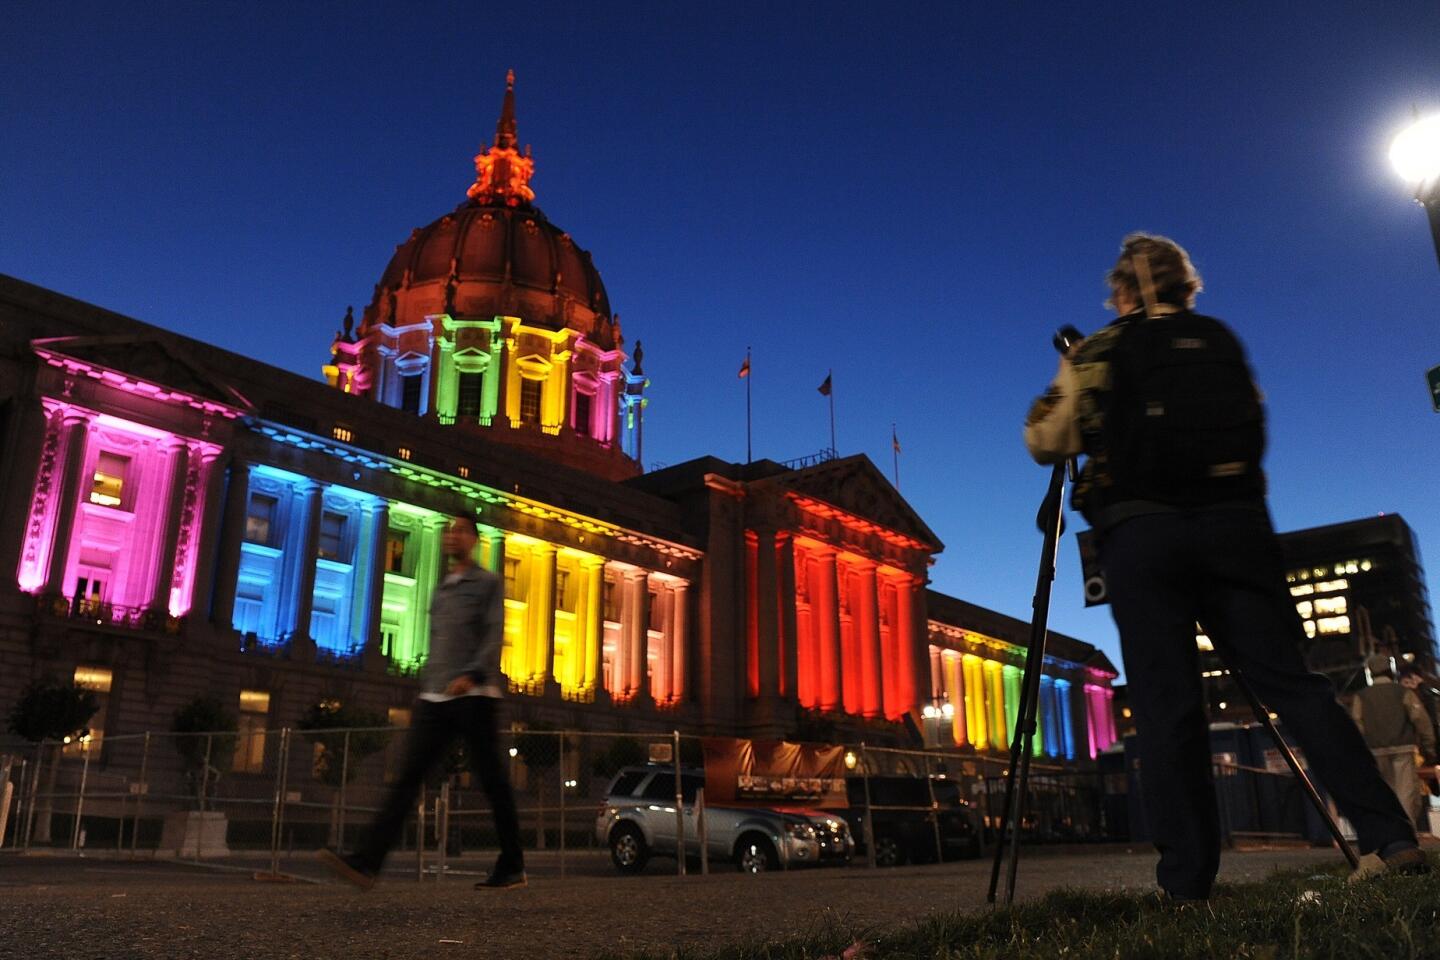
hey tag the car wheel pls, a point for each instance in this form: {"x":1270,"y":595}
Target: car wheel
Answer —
{"x":888,"y":852}
{"x":628,"y":850}
{"x":755,"y":854}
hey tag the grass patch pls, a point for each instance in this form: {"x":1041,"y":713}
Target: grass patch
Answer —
{"x":1291,"y":915}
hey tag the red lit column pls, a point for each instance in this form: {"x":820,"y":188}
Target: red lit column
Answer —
{"x":76,"y":432}
{"x":807,"y":662}
{"x":177,"y":457}
{"x":785,"y":626}
{"x":767,"y":613}
{"x":825,"y":613}
{"x":910,"y":646}
{"x":867,"y":633}
{"x":633,"y":631}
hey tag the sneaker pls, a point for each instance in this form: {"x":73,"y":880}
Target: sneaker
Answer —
{"x":503,"y":880}
{"x":349,"y":868}
{"x":1405,"y":860}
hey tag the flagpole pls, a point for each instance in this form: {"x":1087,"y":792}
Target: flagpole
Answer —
{"x":829,"y":374}
{"x":895,"y":452}
{"x":748,"y":453}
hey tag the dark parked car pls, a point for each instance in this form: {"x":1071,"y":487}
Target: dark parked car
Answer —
{"x":901,"y":816}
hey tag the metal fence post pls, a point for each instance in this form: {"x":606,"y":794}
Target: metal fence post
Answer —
{"x":34,"y":792}
{"x":80,"y":800}
{"x":204,"y":789}
{"x":869,"y":818}
{"x":934,"y":812}
{"x":679,"y":811}
{"x":701,"y":837}
{"x":277,"y":813}
{"x":420,"y":836}
{"x":560,"y":746}
{"x":344,"y":778}
{"x":144,"y":788}
{"x":442,"y":827}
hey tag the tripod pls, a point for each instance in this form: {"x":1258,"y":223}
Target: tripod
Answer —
{"x":1052,"y":522}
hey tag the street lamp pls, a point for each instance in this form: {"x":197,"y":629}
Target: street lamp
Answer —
{"x":1415,"y":154}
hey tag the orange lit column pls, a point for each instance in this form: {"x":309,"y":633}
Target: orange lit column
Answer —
{"x":633,"y":631}
{"x":679,"y":624}
{"x":825,"y":613}
{"x":787,"y":639}
{"x":867,"y":634}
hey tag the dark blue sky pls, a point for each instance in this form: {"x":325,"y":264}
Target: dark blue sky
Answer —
{"x":912,"y":195}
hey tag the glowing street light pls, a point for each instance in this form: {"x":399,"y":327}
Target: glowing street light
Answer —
{"x":1415,"y":154}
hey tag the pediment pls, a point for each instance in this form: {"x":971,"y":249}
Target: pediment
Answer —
{"x":149,"y":359}
{"x":856,"y":486}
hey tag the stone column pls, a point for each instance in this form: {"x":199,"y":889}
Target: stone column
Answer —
{"x":592,"y":570}
{"x":77,"y":435}
{"x":541,"y":610}
{"x":634,"y":633}
{"x":177,"y":455}
{"x":867,"y":634}
{"x":309,"y":546}
{"x":25,"y":439}
{"x":825,"y":613}
{"x":785,"y":595}
{"x":211,"y":510}
{"x":679,"y":625}
{"x":379,"y":518}
{"x":767,"y":614}
{"x":232,"y":538}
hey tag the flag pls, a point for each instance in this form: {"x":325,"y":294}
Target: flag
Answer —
{"x":745,"y":369}
{"x":825,"y":387}
{"x":894,"y":439}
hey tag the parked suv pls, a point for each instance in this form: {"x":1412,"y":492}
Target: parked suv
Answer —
{"x":637,"y":822}
{"x":900,"y":814}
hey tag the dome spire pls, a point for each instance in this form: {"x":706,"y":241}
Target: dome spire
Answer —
{"x":502,"y":173}
{"x":505,"y":128}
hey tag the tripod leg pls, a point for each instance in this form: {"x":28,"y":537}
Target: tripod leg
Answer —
{"x":1263,"y":715}
{"x":1052,"y":515}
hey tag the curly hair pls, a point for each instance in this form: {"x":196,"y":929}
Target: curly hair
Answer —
{"x":1175,"y":279}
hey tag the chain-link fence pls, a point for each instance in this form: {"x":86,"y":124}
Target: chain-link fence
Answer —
{"x":261,"y":796}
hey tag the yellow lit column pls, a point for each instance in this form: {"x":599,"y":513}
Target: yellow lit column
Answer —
{"x":557,"y":392}
{"x":542,"y":611}
{"x":995,"y":684}
{"x":975,"y":711}
{"x":955,"y":694}
{"x":588,"y":619}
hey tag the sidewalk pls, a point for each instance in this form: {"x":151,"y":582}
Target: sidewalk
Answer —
{"x":55,"y":907}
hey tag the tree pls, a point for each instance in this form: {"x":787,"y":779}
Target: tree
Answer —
{"x":204,"y":757}
{"x":329,"y":723}
{"x":540,"y":750}
{"x":51,"y":710}
{"x":345,"y":736}
{"x":622,"y":752}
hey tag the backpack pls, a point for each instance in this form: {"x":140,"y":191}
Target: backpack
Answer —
{"x":1183,"y":422}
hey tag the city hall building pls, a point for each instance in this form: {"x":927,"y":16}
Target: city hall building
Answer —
{"x":178,"y":520}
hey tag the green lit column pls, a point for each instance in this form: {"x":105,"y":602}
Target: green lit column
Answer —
{"x":494,"y":373}
{"x":447,"y":386}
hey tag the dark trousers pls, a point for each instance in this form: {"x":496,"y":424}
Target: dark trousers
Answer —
{"x":1222,"y":568}
{"x":433,"y":728}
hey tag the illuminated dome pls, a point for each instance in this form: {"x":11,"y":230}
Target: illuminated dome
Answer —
{"x":492,"y":318}
{"x":496,"y":254}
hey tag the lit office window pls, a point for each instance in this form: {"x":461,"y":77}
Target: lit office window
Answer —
{"x":260,"y":518}
{"x":1332,"y":625}
{"x":1331,"y":605}
{"x":97,"y":680}
{"x":108,"y":483}
{"x":395,"y":542}
{"x":250,"y":744}
{"x":332,"y":535}
{"x":530,"y":391}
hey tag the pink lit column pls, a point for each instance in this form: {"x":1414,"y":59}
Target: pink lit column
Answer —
{"x":177,"y":458}
{"x":76,"y":430}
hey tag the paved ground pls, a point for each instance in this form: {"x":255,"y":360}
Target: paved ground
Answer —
{"x":98,"y":908}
